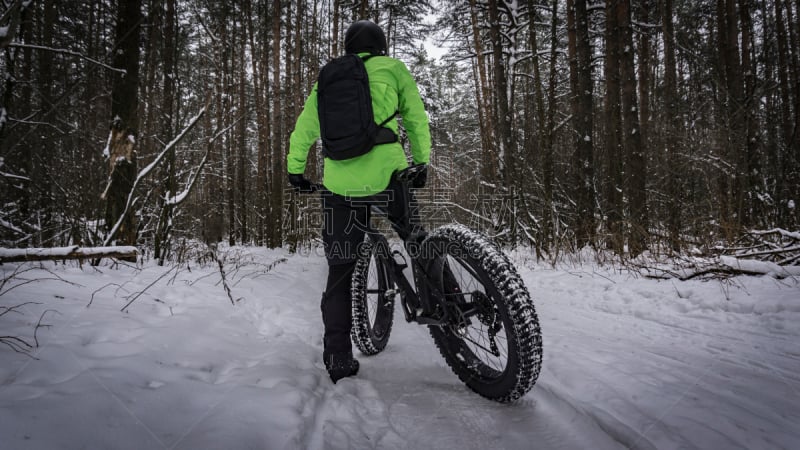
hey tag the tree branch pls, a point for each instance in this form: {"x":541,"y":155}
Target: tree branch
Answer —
{"x":67,"y":52}
{"x":146,"y":171}
{"x":140,"y":293}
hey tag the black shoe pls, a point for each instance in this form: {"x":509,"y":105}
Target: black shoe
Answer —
{"x":341,"y":365}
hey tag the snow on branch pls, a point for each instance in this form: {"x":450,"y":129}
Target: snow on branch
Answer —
{"x":177,"y":199}
{"x":67,"y":52}
{"x":14,"y":177}
{"x":146,"y":171}
{"x":11,"y":19}
{"x":774,"y":252}
{"x":777,"y":246}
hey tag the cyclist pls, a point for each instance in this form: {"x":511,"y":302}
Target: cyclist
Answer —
{"x":352,"y":185}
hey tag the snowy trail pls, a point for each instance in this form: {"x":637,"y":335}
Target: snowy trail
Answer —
{"x":653,"y":368}
{"x":629,"y":363}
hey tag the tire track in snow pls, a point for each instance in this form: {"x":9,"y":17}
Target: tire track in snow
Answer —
{"x":350,"y":414}
{"x":687,"y":376}
{"x":584,"y":427}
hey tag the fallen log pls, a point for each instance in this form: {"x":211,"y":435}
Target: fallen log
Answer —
{"x":59,"y":253}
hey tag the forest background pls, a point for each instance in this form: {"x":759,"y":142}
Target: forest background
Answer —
{"x":659,"y":126}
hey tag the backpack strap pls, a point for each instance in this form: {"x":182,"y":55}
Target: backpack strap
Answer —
{"x":365,"y":58}
{"x":384,"y":135}
{"x":394,"y":114}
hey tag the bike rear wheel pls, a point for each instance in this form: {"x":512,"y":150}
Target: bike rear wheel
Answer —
{"x":373,"y":300}
{"x":492,"y":340}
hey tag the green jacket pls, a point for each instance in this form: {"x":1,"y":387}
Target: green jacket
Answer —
{"x":392,"y":89}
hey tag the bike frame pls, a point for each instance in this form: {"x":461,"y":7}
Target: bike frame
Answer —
{"x":423,"y":302}
{"x":420,"y":300}
{"x":410,"y":298}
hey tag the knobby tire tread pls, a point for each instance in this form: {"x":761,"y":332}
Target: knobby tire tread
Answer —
{"x":361,"y":331}
{"x":525,"y":362}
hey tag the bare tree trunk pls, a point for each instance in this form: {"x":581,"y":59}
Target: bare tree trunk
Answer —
{"x":635,"y":168}
{"x":548,"y":168}
{"x":792,"y":159}
{"x":124,"y":124}
{"x":613,"y":118}
{"x":784,"y":159}
{"x":162,"y":237}
{"x":485,"y":114}
{"x":276,"y":166}
{"x":311,"y":77}
{"x":671,"y":142}
{"x":504,"y":140}
{"x":535,"y":125}
{"x":750,"y":161}
{"x":42,"y":155}
{"x":212,"y":223}
{"x":644,"y":67}
{"x":242,"y":196}
{"x":736,"y":105}
{"x":336,"y":18}
{"x":794,"y":64}
{"x":258,"y":58}
{"x":227,"y":37}
{"x":214,"y":227}
{"x":732,"y":140}
{"x":581,"y":82}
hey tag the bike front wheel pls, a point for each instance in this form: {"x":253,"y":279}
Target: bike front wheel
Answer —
{"x":373,"y":299}
{"x":492,"y":339}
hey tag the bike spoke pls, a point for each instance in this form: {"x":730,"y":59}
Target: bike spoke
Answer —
{"x":479,"y":345}
{"x":483,"y":339}
{"x":489,"y":331}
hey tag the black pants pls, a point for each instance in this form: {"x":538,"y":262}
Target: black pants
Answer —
{"x":346,"y":220}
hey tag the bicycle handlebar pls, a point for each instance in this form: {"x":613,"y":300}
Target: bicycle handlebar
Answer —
{"x":410,"y":172}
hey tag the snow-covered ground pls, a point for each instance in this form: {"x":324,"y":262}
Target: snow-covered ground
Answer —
{"x":629,"y":363}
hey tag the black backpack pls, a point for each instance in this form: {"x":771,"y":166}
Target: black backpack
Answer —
{"x":346,"y":121}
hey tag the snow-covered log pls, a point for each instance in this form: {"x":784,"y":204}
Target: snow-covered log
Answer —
{"x":72,"y":252}
{"x":774,"y":252}
{"x":777,"y":245}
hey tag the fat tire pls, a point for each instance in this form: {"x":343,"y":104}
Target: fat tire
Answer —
{"x":362,"y":332}
{"x":514,"y":306}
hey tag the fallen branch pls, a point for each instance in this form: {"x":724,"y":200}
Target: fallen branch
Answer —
{"x":224,"y":282}
{"x":7,"y":309}
{"x":17,"y":344}
{"x":266,"y":268}
{"x":59,"y":253}
{"x":140,"y":293}
{"x":774,"y":252}
{"x":212,"y":251}
{"x":776,"y":245}
{"x":98,"y":290}
{"x":41,"y":325}
{"x":67,"y":52}
{"x":717,"y":267}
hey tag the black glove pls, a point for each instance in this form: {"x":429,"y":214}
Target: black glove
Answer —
{"x":300,"y":183}
{"x":418,"y":182}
